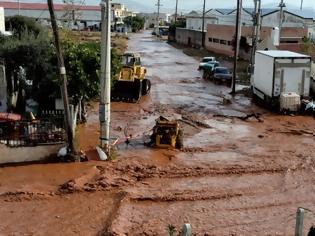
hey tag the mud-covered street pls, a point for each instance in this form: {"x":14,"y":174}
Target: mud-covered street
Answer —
{"x":235,"y":176}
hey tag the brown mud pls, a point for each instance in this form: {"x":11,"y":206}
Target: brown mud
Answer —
{"x":234,"y":176}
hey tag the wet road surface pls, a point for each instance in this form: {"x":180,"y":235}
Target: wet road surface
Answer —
{"x":233,"y":177}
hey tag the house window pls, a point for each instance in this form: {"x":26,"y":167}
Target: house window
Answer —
{"x":216,"y":40}
{"x":210,"y":39}
{"x":229,"y":43}
{"x":223,"y":42}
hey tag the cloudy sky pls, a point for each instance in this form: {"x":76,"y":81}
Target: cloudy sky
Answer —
{"x":188,"y":5}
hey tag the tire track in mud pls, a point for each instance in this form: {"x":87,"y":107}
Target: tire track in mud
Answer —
{"x":119,"y":175}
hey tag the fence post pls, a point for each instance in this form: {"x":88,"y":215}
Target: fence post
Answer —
{"x":299,"y":222}
{"x":186,"y":230}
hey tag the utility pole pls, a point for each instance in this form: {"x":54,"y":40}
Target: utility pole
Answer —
{"x":203,"y":24}
{"x":281,"y":5}
{"x":299,"y":222}
{"x":158,"y":18}
{"x":176,"y":11}
{"x":63,"y":76}
{"x":237,"y":41}
{"x":256,"y":32}
{"x":19,"y":6}
{"x":105,"y":77}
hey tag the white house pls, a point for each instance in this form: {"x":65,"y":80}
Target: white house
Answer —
{"x":151,"y":18}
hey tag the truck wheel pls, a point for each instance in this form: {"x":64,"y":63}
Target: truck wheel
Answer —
{"x":180,"y":139}
{"x":146,"y":86}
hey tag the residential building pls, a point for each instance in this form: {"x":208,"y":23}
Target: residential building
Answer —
{"x":151,"y":19}
{"x":120,"y":12}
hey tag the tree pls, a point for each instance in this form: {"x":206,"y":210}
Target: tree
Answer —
{"x":21,"y":24}
{"x":136,"y":23}
{"x":306,"y":46}
{"x":27,"y":56}
{"x":83,"y":67}
{"x":33,"y":52}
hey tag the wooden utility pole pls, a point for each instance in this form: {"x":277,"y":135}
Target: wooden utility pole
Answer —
{"x":176,"y":11}
{"x":237,"y":41}
{"x":203,"y":24}
{"x":63,"y":77}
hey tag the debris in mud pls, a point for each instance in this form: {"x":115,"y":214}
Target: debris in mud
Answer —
{"x":186,"y":81}
{"x":68,"y":187}
{"x":195,"y":122}
{"x":227,"y":99}
{"x":298,"y":132}
{"x":244,"y":117}
{"x":22,"y":196}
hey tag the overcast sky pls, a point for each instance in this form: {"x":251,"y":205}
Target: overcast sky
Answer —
{"x":188,"y":5}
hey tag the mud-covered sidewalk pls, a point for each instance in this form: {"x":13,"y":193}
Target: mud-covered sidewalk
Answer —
{"x":234,"y":176}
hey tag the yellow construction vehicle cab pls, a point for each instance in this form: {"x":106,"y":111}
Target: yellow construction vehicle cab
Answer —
{"x":167,"y":134}
{"x":131,"y":83}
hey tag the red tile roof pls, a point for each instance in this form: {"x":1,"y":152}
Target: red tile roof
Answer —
{"x":42,"y":6}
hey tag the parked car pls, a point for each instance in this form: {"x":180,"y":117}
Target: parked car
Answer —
{"x":208,"y":69}
{"x":204,"y":61}
{"x":222,"y":74}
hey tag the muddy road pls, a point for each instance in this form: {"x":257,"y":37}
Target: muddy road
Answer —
{"x":234,"y":176}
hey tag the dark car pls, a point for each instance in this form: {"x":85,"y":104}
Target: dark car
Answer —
{"x":222,"y":74}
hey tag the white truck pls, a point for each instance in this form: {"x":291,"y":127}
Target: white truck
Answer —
{"x":280,"y":72}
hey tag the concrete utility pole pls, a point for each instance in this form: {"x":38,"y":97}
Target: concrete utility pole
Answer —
{"x":299,"y":222}
{"x":63,"y":76}
{"x":256,"y":32}
{"x":158,"y":17}
{"x":19,"y":6}
{"x":203,"y":24}
{"x":105,"y":77}
{"x":237,"y":41}
{"x":281,"y":5}
{"x":176,"y":11}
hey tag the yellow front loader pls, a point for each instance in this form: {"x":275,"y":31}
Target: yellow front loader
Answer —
{"x":131,"y":83}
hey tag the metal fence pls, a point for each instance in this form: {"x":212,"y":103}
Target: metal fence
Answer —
{"x":31,"y":133}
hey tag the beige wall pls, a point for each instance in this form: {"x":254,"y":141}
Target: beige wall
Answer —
{"x":219,"y":37}
{"x":26,"y":154}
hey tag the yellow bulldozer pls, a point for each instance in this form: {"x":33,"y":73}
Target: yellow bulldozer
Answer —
{"x":131,"y":83}
{"x":167,"y":134}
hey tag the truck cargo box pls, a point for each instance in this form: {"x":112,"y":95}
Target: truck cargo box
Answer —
{"x":277,"y":72}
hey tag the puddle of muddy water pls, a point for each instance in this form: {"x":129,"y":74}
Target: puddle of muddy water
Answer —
{"x":220,"y":133}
